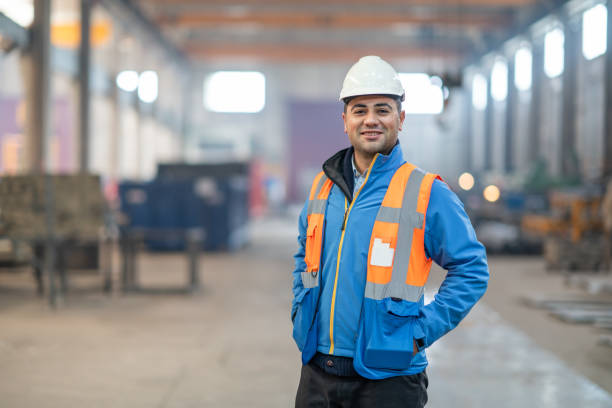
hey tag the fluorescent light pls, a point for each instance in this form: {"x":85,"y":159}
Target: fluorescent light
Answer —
{"x":21,"y":12}
{"x":554,"y":53}
{"x":479,"y":92}
{"x":147,"y":86}
{"x":127,"y":80}
{"x":499,"y":80}
{"x":594,"y":31}
{"x":423,"y":94}
{"x":523,"y":68}
{"x":235,"y":91}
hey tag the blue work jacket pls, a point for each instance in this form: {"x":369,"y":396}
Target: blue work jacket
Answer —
{"x":330,"y":317}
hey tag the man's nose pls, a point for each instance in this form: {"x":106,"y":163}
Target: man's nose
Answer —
{"x":371,"y":119}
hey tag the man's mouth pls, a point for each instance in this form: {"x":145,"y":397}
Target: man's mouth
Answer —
{"x":371,"y":134}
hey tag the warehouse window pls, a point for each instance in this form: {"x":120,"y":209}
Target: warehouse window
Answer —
{"x":235,"y":91}
{"x":479,"y":92}
{"x":594,"y":31}
{"x":147,"y":86}
{"x":423,"y":94}
{"x":499,"y":80}
{"x":21,"y":12}
{"x":522,"y":68}
{"x":127,"y":81}
{"x":554,"y":53}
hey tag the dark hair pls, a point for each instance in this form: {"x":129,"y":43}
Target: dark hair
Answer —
{"x":397,"y":99}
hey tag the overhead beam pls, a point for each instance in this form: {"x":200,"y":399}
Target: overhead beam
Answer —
{"x":135,"y":15}
{"x":303,"y":53}
{"x":318,"y":20}
{"x":543,"y":10}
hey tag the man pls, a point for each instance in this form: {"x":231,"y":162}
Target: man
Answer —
{"x":367,"y":236}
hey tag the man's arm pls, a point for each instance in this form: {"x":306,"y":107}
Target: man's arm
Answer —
{"x":300,"y":264}
{"x":451,"y":242}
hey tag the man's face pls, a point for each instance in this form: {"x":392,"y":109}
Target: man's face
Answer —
{"x":372,"y":123}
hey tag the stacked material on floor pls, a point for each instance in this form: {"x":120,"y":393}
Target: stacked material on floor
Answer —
{"x":75,"y":202}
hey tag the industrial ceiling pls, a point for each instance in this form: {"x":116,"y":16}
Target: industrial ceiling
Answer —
{"x":300,"y":31}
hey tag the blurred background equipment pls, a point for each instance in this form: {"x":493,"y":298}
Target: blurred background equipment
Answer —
{"x":64,"y":214}
{"x":214,"y":197}
{"x":573,"y":231}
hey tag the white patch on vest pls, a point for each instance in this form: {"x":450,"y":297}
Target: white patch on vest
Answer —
{"x":382,"y":255}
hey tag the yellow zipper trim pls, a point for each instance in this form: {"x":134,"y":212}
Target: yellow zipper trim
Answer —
{"x":347,"y":212}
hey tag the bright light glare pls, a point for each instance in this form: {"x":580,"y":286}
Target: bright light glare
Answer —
{"x":466,"y":181}
{"x":499,"y":80}
{"x":491,"y":193}
{"x":554,"y":53}
{"x":235,"y":91}
{"x":127,"y":80}
{"x":479,"y":92}
{"x":594,"y":31}
{"x":21,"y":12}
{"x":522,"y":68}
{"x":423,"y":94}
{"x":147,"y":86}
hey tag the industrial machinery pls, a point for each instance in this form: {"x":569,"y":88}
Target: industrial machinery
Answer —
{"x":572,"y":230}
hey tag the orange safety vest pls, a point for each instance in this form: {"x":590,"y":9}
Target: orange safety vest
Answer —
{"x":400,"y":223}
{"x":317,"y":203}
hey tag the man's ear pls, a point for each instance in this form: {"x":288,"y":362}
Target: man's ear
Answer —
{"x":344,"y":120}
{"x":402,"y":116}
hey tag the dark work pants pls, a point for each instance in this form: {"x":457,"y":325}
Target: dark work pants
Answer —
{"x":320,"y":389}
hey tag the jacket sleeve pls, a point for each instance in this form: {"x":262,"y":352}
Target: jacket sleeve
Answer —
{"x":451,"y":242}
{"x":300,"y":264}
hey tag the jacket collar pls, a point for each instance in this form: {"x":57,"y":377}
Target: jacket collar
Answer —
{"x":340,"y":170}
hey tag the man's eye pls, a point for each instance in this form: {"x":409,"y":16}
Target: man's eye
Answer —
{"x":383,"y":111}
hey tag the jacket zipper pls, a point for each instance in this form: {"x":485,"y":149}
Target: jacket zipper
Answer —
{"x":347,"y":211}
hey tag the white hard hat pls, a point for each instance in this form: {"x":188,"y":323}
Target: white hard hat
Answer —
{"x":371,"y":75}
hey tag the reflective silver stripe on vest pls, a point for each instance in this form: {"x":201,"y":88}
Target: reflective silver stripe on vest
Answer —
{"x":409,"y":219}
{"x":310,"y":279}
{"x":317,"y":206}
{"x":388,"y":214}
{"x":379,"y":291}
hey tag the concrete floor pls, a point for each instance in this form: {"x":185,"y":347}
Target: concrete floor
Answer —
{"x":230,"y":344}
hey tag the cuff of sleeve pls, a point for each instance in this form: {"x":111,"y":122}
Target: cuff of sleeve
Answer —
{"x":419,"y":335}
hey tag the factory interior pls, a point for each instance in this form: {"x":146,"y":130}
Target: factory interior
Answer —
{"x":155,"y":156}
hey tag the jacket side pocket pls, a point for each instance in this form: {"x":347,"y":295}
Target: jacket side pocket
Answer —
{"x":388,"y":338}
{"x":302,"y":317}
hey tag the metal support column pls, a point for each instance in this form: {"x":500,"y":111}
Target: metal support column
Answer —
{"x":37,"y":147}
{"x":568,"y":118}
{"x":488,"y":136}
{"x":537,"y":71}
{"x":38,"y":97}
{"x":84,"y":80}
{"x":509,"y":161}
{"x":186,"y":112}
{"x":607,"y":165}
{"x":469,"y":128}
